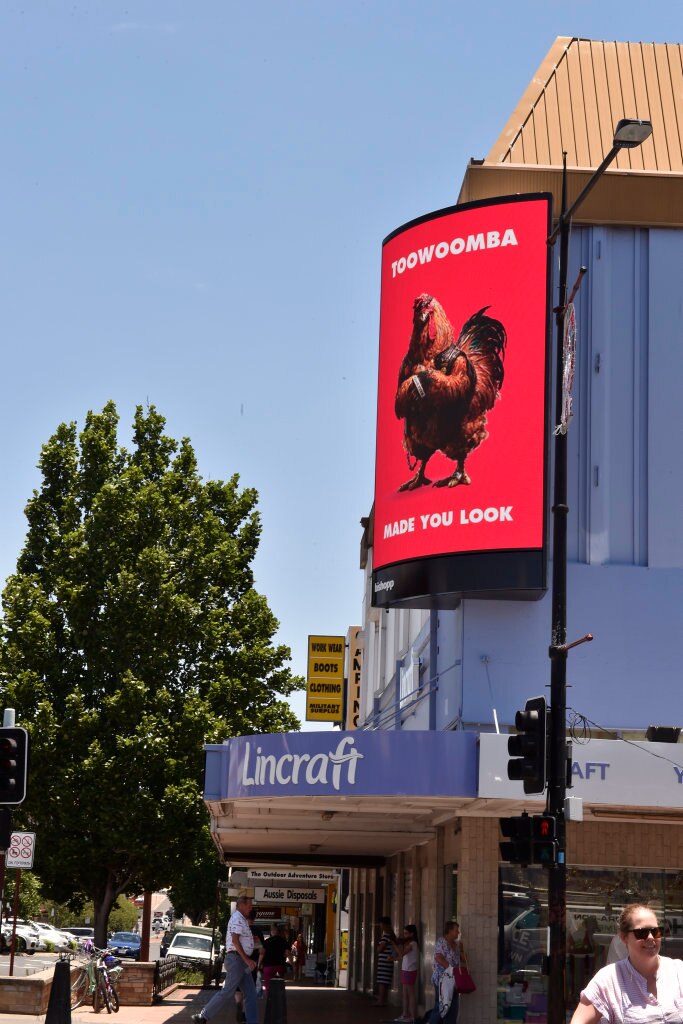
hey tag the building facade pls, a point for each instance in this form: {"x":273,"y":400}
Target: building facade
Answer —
{"x":409,"y":803}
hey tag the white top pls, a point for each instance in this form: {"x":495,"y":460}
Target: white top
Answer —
{"x":619,"y":993}
{"x":410,"y":957}
{"x":238,"y":925}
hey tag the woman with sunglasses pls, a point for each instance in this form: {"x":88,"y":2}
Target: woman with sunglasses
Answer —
{"x":642,"y":989}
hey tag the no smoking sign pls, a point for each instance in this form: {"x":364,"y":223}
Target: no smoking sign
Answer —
{"x":21,"y":849}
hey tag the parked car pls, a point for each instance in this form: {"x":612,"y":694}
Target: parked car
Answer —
{"x":81,"y":933}
{"x":193,"y":950}
{"x":187,"y":929}
{"x":5,"y":938}
{"x":28,"y":937}
{"x":53,"y":936}
{"x":125,"y":944}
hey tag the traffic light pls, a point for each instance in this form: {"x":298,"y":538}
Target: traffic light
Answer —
{"x":527,"y":748}
{"x":543,"y":831}
{"x":518,"y":831}
{"x":13,"y":765}
{"x":531,"y":839}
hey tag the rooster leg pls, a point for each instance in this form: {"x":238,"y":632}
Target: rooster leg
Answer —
{"x":419,"y":480}
{"x":458,"y":476}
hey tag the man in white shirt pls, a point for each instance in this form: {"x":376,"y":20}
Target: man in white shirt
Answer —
{"x":239,"y":946}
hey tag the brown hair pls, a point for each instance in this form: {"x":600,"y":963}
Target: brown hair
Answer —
{"x":448,"y":925}
{"x":627,"y":915}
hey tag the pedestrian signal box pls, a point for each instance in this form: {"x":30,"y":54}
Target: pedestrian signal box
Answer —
{"x":531,"y":839}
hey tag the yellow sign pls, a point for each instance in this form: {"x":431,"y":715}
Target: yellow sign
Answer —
{"x":344,"y":950}
{"x":325,"y":679}
{"x":353,"y":676}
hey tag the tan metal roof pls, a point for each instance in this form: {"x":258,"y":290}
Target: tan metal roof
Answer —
{"x":582,"y":88}
{"x":579,"y":93}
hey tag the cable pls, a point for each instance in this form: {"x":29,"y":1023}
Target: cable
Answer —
{"x":577,"y":718}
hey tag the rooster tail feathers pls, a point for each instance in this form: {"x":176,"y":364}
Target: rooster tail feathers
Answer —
{"x":485,"y":336}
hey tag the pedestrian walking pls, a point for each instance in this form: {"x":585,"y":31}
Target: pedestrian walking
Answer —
{"x":239,"y":947}
{"x":448,"y":951}
{"x":298,"y":957}
{"x":273,"y":958}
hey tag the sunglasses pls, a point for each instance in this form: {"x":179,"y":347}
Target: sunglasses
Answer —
{"x":642,"y":933}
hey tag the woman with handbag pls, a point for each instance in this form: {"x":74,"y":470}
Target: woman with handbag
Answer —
{"x":448,"y":951}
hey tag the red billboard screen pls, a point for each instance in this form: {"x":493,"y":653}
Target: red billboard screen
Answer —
{"x":460,"y":479}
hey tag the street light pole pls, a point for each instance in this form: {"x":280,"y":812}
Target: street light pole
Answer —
{"x":557,"y":877}
{"x":627,"y":135}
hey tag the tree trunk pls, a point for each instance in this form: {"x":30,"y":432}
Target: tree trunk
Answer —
{"x":103,"y":906}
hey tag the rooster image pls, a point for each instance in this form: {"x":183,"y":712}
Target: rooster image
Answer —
{"x":446,"y":387}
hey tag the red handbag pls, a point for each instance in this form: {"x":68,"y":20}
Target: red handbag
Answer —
{"x":464,"y":982}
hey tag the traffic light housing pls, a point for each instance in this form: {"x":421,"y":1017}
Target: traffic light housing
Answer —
{"x":13,"y":765}
{"x":531,"y":839}
{"x":518,"y":831}
{"x":528,"y":748}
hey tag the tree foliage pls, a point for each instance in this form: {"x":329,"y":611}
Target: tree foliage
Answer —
{"x":195,"y":892}
{"x":30,"y":898}
{"x":131,"y":635}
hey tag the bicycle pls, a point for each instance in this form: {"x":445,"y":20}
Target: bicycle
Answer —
{"x":97,"y":978}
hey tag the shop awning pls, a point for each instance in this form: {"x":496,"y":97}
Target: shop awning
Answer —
{"x":337,"y":798}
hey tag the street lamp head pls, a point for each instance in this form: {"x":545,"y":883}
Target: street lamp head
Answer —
{"x":630,"y":133}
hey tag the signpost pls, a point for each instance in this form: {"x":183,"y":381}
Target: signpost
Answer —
{"x":21,"y":850}
{"x":20,"y":857}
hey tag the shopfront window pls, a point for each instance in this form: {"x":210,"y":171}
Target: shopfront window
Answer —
{"x":595,"y":899}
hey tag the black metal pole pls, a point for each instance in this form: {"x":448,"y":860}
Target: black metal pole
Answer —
{"x":557,"y":778}
{"x":557,"y":768}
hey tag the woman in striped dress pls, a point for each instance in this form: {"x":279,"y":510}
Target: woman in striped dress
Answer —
{"x":386,"y":958}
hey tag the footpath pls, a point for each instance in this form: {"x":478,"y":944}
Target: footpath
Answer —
{"x":305,"y":1004}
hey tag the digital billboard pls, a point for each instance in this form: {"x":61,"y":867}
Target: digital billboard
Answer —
{"x":460,"y":478}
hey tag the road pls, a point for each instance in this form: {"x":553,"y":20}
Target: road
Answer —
{"x":27,"y":964}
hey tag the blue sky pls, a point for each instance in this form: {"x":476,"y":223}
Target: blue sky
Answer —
{"x":195,"y":196}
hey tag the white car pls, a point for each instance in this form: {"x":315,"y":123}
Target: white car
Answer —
{"x":84,"y":936}
{"x":192,"y":949}
{"x":28,"y":938}
{"x":53,"y":936}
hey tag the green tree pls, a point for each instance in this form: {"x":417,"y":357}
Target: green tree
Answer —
{"x":195,"y":887}
{"x":123,"y":916}
{"x":30,"y":899}
{"x":131,"y":634}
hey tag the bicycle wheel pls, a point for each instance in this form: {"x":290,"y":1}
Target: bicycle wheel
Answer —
{"x":108,"y":993}
{"x":114,"y":998}
{"x":79,"y":988}
{"x":99,"y":996}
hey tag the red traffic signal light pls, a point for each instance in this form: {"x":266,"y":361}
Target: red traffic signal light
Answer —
{"x":544,"y":826}
{"x":13,"y":765}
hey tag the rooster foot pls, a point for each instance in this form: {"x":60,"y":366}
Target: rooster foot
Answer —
{"x":459,"y":477}
{"x":419,"y":480}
